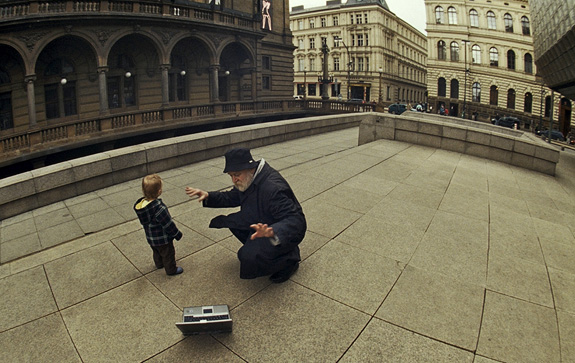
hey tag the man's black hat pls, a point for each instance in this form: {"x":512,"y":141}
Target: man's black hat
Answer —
{"x":239,"y":159}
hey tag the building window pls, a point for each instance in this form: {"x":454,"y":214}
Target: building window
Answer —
{"x":336,"y":64}
{"x":360,"y":64}
{"x":311,"y":43}
{"x":311,"y":89}
{"x":452,"y":15}
{"x":511,"y":98}
{"x":547,"y":106}
{"x":493,"y":57}
{"x":6,"y":118}
{"x":528,"y":63}
{"x":510,"y":60}
{"x":353,"y":40}
{"x":365,"y":18}
{"x":358,"y":19}
{"x":323,"y":22}
{"x":441,"y":87}
{"x":312,"y":23}
{"x":476,"y":54}
{"x":528,"y":103}
{"x":266,"y":83}
{"x":312,"y":64}
{"x":177,"y":90}
{"x":473,"y":18}
{"x":300,"y":44}
{"x":508,"y":21}
{"x":454,"y":89}
{"x":439,"y":16}
{"x":525,"y":25}
{"x":476,"y":92}
{"x":360,"y":40}
{"x":366,"y":36}
{"x":493,"y":95}
{"x":441,"y":50}
{"x":300,"y":24}
{"x":335,"y":20}
{"x":266,"y":62}
{"x":301,"y":64}
{"x":491,"y":20}
{"x":454,"y":50}
{"x":121,"y":91}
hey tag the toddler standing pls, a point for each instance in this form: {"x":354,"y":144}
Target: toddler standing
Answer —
{"x":158,"y":224}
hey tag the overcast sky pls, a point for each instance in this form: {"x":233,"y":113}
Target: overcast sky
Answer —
{"x":412,"y":11}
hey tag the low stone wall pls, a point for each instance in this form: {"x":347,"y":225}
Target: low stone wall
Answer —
{"x":468,"y":137}
{"x":47,"y":185}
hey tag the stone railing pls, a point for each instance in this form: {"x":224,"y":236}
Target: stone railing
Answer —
{"x":50,"y":184}
{"x":468,"y":137}
{"x":11,"y":10}
{"x":19,"y":146}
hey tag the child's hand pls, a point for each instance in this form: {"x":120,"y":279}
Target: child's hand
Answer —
{"x":192,"y":192}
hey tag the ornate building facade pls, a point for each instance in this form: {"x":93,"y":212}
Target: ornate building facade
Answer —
{"x":554,"y":42}
{"x":481,"y":61}
{"x":373,"y":55}
{"x":66,"y":61}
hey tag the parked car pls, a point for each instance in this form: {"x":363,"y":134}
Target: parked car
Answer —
{"x":397,"y":108}
{"x":356,"y":100}
{"x":508,"y":121}
{"x":555,"y":134}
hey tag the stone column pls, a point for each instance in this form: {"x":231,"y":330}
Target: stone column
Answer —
{"x":103,"y":90}
{"x":165,"y":85}
{"x":254,"y":84}
{"x":30,"y":90}
{"x":214,"y":83}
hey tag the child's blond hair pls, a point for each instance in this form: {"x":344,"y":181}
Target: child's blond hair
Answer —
{"x":152,"y":186}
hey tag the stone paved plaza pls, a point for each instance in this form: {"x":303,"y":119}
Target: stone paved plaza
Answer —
{"x":413,"y":254}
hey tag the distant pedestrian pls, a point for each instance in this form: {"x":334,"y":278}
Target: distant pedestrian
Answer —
{"x":158,"y":224}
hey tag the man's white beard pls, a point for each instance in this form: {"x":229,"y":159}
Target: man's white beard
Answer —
{"x":242,"y":187}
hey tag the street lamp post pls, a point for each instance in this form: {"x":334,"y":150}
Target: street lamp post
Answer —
{"x":304,"y":83}
{"x":325,"y":79}
{"x":543,"y":93}
{"x":380,"y":98}
{"x":465,"y":86}
{"x":349,"y":64}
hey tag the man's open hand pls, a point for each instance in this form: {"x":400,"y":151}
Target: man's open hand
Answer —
{"x":262,"y":230}
{"x":192,"y":192}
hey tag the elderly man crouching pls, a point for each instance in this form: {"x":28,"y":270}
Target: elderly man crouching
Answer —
{"x":268,"y":208}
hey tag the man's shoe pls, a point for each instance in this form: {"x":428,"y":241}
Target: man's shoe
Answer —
{"x":285,"y":274}
{"x":179,"y":270}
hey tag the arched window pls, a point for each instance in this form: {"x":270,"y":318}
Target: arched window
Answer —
{"x":441,"y":87}
{"x":454,"y":90}
{"x":525,"y":25}
{"x":121,"y":83}
{"x":493,"y":95}
{"x":476,"y":54}
{"x":510,"y":59}
{"x":493,"y":57}
{"x":528,"y":63}
{"x":476,"y":92}
{"x":491,"y":20}
{"x":508,"y":21}
{"x":439,"y":16}
{"x":441,"y":50}
{"x":511,"y":98}
{"x":473,"y":18}
{"x":454,"y":50}
{"x":452,"y":15}
{"x":528,"y":103}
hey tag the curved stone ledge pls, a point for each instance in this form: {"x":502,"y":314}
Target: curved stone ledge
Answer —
{"x":467,"y":137}
{"x":47,"y":185}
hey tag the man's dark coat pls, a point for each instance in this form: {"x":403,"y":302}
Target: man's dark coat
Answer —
{"x":268,"y":200}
